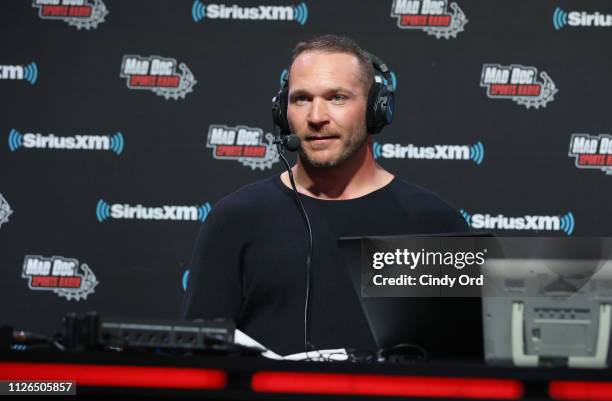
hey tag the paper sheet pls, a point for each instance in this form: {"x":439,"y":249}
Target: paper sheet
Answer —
{"x":338,"y":354}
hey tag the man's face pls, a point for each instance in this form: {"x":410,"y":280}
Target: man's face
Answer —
{"x":327,"y":103}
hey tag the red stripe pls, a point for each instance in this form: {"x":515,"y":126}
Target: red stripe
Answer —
{"x":411,"y":386}
{"x":116,"y":375}
{"x":578,"y":390}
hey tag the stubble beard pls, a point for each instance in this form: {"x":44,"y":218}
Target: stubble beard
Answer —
{"x":349,"y":149}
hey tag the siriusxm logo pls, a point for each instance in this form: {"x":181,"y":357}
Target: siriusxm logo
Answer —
{"x":473,"y":152}
{"x":479,"y":221}
{"x":124,"y":211}
{"x":561,"y":18}
{"x":185,"y":279}
{"x":114,"y":142}
{"x":298,"y":13}
{"x":27,"y":73}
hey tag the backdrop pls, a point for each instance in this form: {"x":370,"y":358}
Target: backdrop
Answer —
{"x":123,"y":122}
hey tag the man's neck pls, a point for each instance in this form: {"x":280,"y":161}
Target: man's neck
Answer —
{"x":357,"y":176}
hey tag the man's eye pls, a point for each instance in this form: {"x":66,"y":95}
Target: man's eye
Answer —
{"x":338,"y":98}
{"x":300,"y":99}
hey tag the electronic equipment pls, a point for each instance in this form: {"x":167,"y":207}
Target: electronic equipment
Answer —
{"x":92,"y":331}
{"x":548,"y":312}
{"x":156,"y":333}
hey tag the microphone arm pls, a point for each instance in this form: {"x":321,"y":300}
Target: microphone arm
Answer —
{"x":292,"y":143}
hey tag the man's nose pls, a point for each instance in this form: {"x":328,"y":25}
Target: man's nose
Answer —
{"x":317,"y":116}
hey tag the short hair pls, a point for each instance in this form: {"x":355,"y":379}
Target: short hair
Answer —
{"x":338,"y":44}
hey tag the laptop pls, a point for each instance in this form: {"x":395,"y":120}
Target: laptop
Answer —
{"x":446,"y":328}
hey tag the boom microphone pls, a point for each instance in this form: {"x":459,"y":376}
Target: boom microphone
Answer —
{"x":291,"y":142}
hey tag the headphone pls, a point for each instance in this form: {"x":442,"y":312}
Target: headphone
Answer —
{"x":379,"y":110}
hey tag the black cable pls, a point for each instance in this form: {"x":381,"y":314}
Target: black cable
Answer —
{"x":400,"y":352}
{"x":307,"y":344}
{"x":28,"y":340}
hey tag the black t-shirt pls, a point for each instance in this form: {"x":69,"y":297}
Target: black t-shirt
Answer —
{"x":249,"y":260}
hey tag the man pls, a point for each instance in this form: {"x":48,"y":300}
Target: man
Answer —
{"x":249,"y":259}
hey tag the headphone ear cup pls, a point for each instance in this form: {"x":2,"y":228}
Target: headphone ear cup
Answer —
{"x":381,"y":103}
{"x":284,"y":103}
{"x":390,"y":112}
{"x":371,"y":118}
{"x":387,"y":106}
{"x":279,"y":109}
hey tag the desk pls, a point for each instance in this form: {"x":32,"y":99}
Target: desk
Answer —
{"x":235,"y":377}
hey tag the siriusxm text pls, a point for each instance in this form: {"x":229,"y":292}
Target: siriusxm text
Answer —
{"x":487,"y":221}
{"x":450,"y":152}
{"x":125,"y":211}
{"x":76,"y":142}
{"x":221,"y":11}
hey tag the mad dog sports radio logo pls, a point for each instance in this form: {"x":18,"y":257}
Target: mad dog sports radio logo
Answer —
{"x":249,"y":146}
{"x":28,"y":73}
{"x":105,"y":211}
{"x":78,"y":13}
{"x":63,"y":276}
{"x":518,"y":83}
{"x":485,"y":221}
{"x":473,"y":152}
{"x":158,"y":75}
{"x":430,"y":16}
{"x":111,"y":142}
{"x":562,"y":18}
{"x":592,"y":152}
{"x":5,"y":210}
{"x":201,"y":11}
